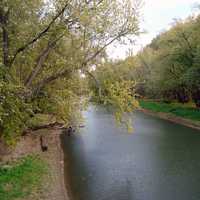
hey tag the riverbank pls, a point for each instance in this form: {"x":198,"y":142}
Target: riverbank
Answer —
{"x":50,"y":183}
{"x":185,"y":115}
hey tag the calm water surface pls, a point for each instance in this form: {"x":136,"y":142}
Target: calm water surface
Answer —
{"x":160,"y":161}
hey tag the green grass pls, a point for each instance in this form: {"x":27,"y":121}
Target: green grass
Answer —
{"x":20,"y":179}
{"x":180,"y":110}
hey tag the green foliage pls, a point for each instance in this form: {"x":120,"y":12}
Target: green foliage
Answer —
{"x":20,"y":179}
{"x":66,"y":106}
{"x":187,"y":112}
{"x":62,"y":101}
{"x":115,"y":90}
{"x":44,"y":46}
{"x":14,"y":112}
{"x":119,"y":95}
{"x":168,"y":68}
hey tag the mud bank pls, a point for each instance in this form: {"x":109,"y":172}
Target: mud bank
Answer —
{"x":173,"y":118}
{"x":53,"y":187}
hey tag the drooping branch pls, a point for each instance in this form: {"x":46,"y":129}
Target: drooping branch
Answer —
{"x":96,"y":81}
{"x":39,"y":35}
{"x":62,"y":74}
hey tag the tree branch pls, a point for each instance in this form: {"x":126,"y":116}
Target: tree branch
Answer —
{"x":62,"y":74}
{"x":40,"y":61}
{"x":104,"y":47}
{"x":39,"y":35}
{"x":97,"y":83}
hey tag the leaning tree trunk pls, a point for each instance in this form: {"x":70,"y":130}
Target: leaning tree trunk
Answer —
{"x":182,"y":95}
{"x":196,"y":97}
{"x":5,"y":38}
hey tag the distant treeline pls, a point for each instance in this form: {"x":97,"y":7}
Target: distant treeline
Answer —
{"x":168,"y":68}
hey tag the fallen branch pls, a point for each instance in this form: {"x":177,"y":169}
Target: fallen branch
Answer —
{"x":46,"y":126}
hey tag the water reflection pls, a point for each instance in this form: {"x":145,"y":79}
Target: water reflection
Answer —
{"x":159,"y":161}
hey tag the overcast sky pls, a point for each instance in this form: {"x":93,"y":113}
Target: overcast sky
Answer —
{"x":158,"y":15}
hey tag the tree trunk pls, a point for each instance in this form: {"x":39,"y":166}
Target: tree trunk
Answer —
{"x":40,"y":61}
{"x":182,"y":95}
{"x":5,"y":37}
{"x":43,"y":143}
{"x":196,"y":97}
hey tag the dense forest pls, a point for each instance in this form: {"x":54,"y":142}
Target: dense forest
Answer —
{"x":168,"y":68}
{"x":170,"y":65}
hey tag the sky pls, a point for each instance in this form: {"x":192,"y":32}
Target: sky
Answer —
{"x":157,"y":16}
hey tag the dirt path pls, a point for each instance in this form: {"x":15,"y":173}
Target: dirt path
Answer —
{"x":53,"y":187}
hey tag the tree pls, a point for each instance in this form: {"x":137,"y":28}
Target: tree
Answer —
{"x":45,"y":45}
{"x":168,"y":66}
{"x":117,"y":86}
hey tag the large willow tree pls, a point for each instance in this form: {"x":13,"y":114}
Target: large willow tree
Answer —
{"x":44,"y":45}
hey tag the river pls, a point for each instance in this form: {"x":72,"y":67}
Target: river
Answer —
{"x":159,"y":161}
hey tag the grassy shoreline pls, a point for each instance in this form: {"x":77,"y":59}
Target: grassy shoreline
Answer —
{"x":186,"y":114}
{"x":27,"y":173}
{"x":179,"y":110}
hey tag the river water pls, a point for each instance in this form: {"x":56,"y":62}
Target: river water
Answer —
{"x":159,"y":161}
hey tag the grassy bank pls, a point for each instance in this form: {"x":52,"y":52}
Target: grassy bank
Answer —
{"x":21,"y":178}
{"x":180,"y":110}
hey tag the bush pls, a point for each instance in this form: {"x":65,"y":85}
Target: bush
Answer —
{"x":14,"y":112}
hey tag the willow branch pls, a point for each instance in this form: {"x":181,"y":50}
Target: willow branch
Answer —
{"x":39,"y":35}
{"x":40,"y":61}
